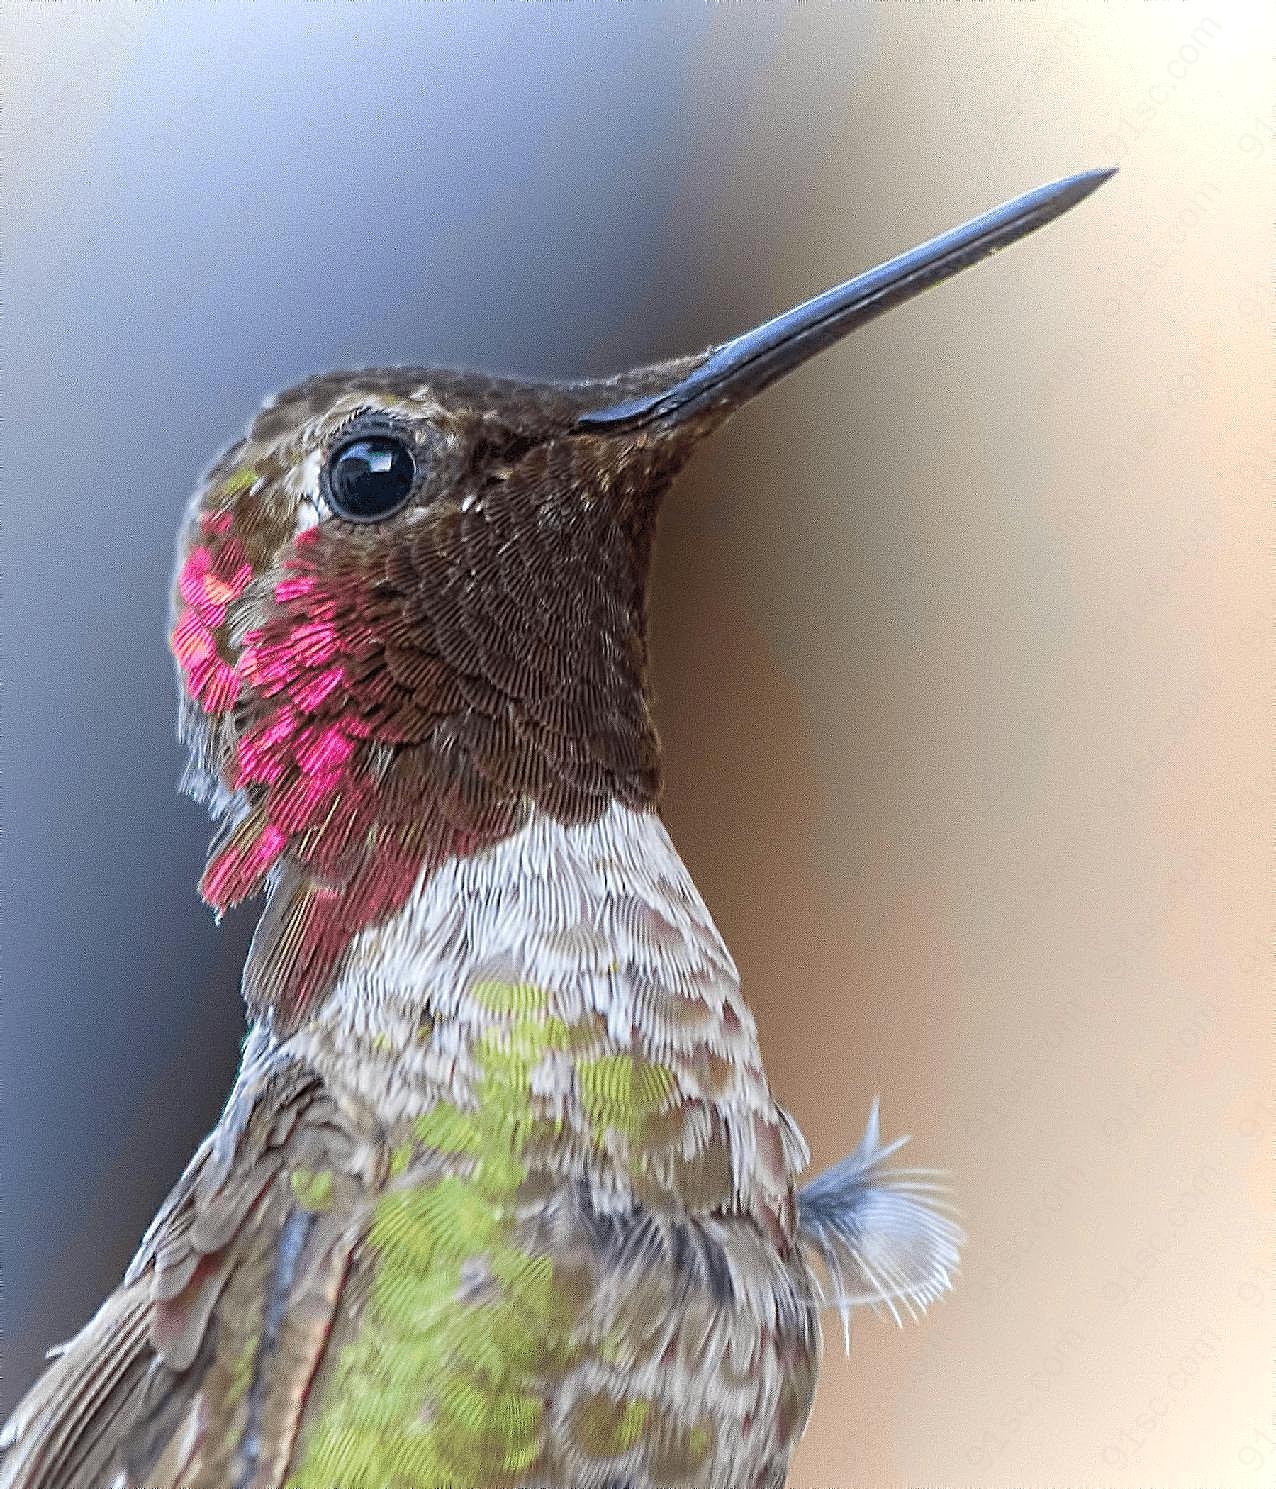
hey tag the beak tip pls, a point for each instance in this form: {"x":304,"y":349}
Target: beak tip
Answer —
{"x":1074,"y":189}
{"x":1036,"y":208}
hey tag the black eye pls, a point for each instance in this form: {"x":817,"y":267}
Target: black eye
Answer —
{"x":368,"y":477}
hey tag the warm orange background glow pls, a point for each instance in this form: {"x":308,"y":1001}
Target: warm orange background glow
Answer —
{"x":967,"y":741}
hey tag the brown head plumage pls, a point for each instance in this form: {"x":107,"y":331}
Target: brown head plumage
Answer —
{"x":410,"y":610}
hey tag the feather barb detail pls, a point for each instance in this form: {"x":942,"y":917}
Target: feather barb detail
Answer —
{"x":883,"y":1237}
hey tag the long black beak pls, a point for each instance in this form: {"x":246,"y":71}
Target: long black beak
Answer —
{"x":739,"y":368}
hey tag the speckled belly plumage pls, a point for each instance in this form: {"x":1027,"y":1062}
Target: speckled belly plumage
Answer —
{"x":579,"y":1267}
{"x":513,"y":1210}
{"x":525,"y":1320}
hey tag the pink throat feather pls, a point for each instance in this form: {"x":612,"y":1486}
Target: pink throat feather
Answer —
{"x":303,"y":763}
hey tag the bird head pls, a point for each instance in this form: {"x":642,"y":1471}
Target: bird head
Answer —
{"x":410,"y":611}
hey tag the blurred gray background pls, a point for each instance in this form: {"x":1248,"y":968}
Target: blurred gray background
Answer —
{"x":211,"y":202}
{"x":957,"y":632}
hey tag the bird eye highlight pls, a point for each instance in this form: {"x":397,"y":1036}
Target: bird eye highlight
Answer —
{"x":368,"y":476}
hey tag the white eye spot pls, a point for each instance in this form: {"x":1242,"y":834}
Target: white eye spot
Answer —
{"x":307,"y":516}
{"x":471,"y":503}
{"x":303,"y":484}
{"x":308,"y":476}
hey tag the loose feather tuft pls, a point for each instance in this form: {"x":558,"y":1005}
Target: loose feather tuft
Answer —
{"x":881,"y":1235}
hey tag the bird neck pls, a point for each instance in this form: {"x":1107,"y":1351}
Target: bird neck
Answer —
{"x":585,"y":956}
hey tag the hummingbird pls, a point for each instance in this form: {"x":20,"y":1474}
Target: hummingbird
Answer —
{"x":501,"y":1197}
